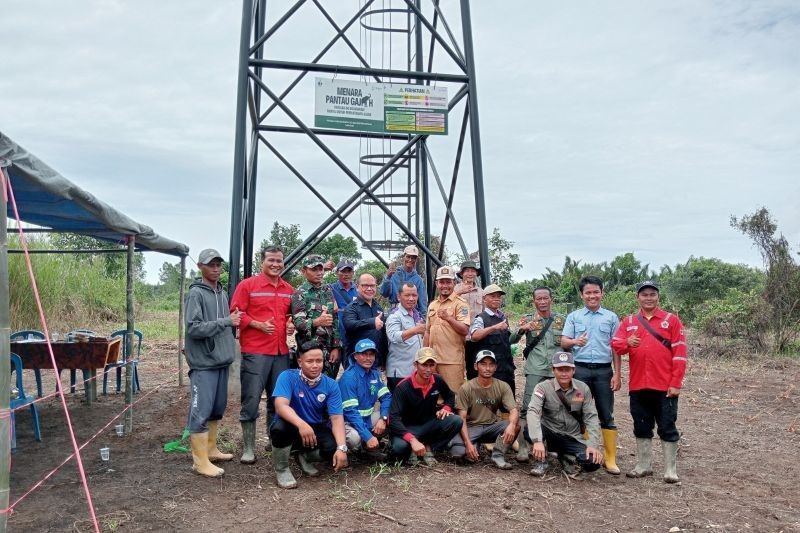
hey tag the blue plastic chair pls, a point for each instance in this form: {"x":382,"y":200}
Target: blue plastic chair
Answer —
{"x":21,"y":336}
{"x":72,"y":371}
{"x":137,"y":348}
{"x":23,"y":399}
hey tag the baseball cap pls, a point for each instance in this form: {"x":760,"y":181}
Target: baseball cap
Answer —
{"x":426,"y":354}
{"x":491,"y":289}
{"x":483,"y":354}
{"x":208,"y":255}
{"x":563,"y":359}
{"x":365,"y":344}
{"x":313,"y":260}
{"x":445,"y":272}
{"x":345,"y":263}
{"x":411,"y":250}
{"x":649,"y":284}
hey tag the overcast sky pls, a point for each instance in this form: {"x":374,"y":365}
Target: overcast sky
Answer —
{"x":607,"y":127}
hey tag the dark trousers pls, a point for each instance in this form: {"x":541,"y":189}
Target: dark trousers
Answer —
{"x":434,"y":433}
{"x":392,"y":382}
{"x":284,"y":434}
{"x":209,"y":397}
{"x":564,"y":444}
{"x":257,"y":374}
{"x":508,"y":378}
{"x":599,"y":382}
{"x":651,"y":407}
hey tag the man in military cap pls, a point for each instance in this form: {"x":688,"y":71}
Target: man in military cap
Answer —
{"x":446,"y":328}
{"x":656,"y":346}
{"x":394,"y":279}
{"x":315,"y":315}
{"x":561,"y":409}
{"x":542,"y":332}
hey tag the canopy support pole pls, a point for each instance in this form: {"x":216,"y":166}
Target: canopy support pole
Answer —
{"x":180,"y":321}
{"x":5,"y":357}
{"x":129,"y":337}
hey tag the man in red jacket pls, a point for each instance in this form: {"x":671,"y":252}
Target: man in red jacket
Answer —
{"x":265,"y":301}
{"x":656,"y":346}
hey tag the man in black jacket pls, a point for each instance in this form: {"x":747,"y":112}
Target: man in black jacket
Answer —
{"x":363,"y":319}
{"x":421,"y":417}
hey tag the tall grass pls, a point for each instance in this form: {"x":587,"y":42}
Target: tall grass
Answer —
{"x":74,"y":289}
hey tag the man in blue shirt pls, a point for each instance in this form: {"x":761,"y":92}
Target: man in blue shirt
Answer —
{"x":364,"y":318}
{"x":394,"y":279}
{"x":361,"y":388}
{"x":587,"y":333}
{"x":308,"y":416}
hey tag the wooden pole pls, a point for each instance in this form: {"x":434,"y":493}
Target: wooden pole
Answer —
{"x":181,"y":327}
{"x":129,"y":337}
{"x":5,"y":358}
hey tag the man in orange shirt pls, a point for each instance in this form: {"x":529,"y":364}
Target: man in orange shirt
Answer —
{"x":446,"y":328}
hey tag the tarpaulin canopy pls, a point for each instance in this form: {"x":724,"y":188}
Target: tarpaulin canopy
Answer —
{"x":46,"y":198}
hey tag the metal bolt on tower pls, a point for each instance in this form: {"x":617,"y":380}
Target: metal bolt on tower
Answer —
{"x":401,"y":179}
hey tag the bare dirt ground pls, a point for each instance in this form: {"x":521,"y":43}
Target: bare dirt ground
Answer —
{"x":738,"y":462}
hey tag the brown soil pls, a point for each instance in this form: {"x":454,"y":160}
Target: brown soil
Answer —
{"x":741,"y":435}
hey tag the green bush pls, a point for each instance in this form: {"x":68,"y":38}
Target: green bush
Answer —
{"x":74,"y":292}
{"x":738,"y":315}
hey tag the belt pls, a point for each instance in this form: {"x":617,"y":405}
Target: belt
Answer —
{"x":592,"y":365}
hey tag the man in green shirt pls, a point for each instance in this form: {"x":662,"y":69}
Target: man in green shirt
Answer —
{"x":477,"y":403}
{"x":542,"y":331}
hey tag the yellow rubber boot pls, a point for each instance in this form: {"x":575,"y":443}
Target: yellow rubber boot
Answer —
{"x":201,"y":464}
{"x":213,"y":452}
{"x":610,"y":451}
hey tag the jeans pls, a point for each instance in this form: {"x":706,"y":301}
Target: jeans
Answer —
{"x":477,"y":434}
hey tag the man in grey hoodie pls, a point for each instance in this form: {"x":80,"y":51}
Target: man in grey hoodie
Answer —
{"x":209,"y":352}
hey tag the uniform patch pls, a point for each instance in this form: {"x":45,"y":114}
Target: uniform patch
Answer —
{"x":631,"y":328}
{"x":321,"y":397}
{"x":301,"y":394}
{"x":464,"y":312}
{"x":665,"y":325}
{"x":539,"y":393}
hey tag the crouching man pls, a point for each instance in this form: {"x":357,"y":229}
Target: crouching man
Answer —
{"x":308,"y":417}
{"x":361,"y":388}
{"x":209,"y":352}
{"x":561,"y":409}
{"x":477,"y":403}
{"x":421,"y":417}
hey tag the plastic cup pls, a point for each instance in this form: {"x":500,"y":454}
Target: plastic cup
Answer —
{"x":105,"y":453}
{"x":120,"y":430}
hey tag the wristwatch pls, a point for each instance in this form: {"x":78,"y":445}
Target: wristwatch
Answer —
{"x":385,"y":418}
{"x":342,"y":448}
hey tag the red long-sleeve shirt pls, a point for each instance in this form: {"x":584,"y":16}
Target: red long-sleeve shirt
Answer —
{"x":259,"y":299}
{"x":653,"y":365}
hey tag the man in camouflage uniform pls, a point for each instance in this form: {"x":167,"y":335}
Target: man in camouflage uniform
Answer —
{"x":315,"y":314}
{"x":542,"y":332}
